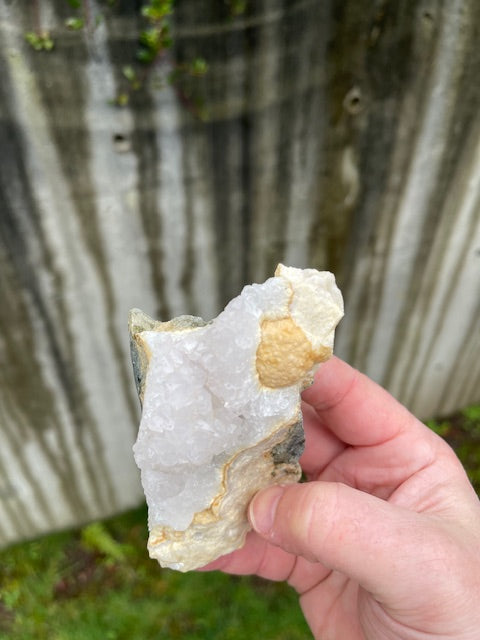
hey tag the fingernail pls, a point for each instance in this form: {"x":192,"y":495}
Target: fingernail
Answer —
{"x":263,"y":507}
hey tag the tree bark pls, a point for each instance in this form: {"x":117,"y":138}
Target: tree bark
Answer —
{"x":340,"y":134}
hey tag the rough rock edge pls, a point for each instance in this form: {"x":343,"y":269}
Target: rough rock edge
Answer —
{"x":139,"y":321}
{"x":222,"y":527}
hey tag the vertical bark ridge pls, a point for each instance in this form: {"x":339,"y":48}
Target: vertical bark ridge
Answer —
{"x":440,"y":277}
{"x":433,"y":147}
{"x":340,"y":135}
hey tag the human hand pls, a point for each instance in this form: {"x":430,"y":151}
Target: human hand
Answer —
{"x":383,"y":542}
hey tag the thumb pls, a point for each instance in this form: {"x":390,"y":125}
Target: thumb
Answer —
{"x":375,"y":543}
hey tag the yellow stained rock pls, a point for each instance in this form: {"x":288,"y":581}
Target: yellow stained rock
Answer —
{"x":284,"y":354}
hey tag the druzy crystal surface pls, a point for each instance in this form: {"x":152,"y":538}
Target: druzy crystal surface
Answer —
{"x":221,"y":412}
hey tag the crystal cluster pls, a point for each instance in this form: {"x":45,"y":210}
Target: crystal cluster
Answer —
{"x":221,"y":412}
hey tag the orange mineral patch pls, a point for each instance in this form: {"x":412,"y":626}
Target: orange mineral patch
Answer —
{"x":285,"y":355}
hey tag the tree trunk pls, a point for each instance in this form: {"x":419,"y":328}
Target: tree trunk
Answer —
{"x":339,"y":134}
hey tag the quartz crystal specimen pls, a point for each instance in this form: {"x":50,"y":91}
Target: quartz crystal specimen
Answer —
{"x":221,"y":414}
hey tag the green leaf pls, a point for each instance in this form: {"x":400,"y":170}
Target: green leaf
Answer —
{"x":157,"y":10}
{"x":146,"y":56}
{"x":96,"y":537}
{"x":33,"y":40}
{"x":150,"y":38}
{"x":48,"y":43}
{"x":237,"y":7}
{"x":122,"y":99}
{"x":74,"y":23}
{"x":39,"y":41}
{"x":129,"y":73}
{"x":199,"y":67}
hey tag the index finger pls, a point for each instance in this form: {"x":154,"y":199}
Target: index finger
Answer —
{"x":356,"y":409}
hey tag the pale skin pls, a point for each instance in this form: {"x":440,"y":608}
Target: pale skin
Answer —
{"x":383,"y":542}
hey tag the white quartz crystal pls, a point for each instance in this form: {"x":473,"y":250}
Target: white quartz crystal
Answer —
{"x":221,"y":408}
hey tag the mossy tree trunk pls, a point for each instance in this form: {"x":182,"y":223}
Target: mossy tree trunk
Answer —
{"x":339,"y":134}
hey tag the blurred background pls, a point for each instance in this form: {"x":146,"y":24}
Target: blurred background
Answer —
{"x":161,"y":154}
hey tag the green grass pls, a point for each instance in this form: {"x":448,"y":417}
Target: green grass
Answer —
{"x":97,"y":583}
{"x":462,"y":432}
